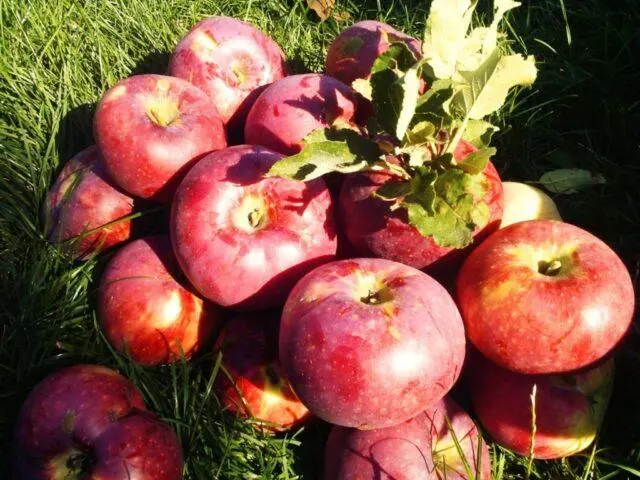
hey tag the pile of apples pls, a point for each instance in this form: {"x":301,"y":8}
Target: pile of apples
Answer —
{"x":321,"y":296}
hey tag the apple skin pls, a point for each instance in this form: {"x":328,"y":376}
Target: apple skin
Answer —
{"x":375,"y":231}
{"x":523,"y":202}
{"x":352,"y":342}
{"x":533,"y":323}
{"x":90,"y":415}
{"x":259,"y":390}
{"x":146,"y":310}
{"x":291,"y":108}
{"x":151,"y":128}
{"x":569,"y":407}
{"x":448,"y":463}
{"x":228,"y":259}
{"x":352,"y":54}
{"x":84,"y":198}
{"x":228,"y":59}
{"x":400,"y":452}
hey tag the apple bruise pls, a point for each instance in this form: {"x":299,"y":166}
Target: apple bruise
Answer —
{"x":82,"y":204}
{"x":228,"y":59}
{"x":227,"y":218}
{"x":544,"y":285}
{"x":150,"y":128}
{"x":352,"y":342}
{"x":145,"y":311}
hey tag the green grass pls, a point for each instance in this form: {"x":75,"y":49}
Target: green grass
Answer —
{"x":56,"y":58}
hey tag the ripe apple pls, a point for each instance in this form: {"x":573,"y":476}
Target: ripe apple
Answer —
{"x":523,"y":202}
{"x":147,"y":310}
{"x":544,"y":297}
{"x":82,"y":200}
{"x":448,"y":424}
{"x":244,"y":240}
{"x":569,"y":408}
{"x":291,"y":108}
{"x":87,"y":421}
{"x":375,"y":230}
{"x":257,"y":388}
{"x":400,"y":452}
{"x":353,"y":339}
{"x":228,"y":59}
{"x":352,"y":54}
{"x":151,"y":128}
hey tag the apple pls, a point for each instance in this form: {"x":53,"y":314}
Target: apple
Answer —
{"x":400,"y":452}
{"x":354,"y":337}
{"x":523,"y":202}
{"x":244,"y":240}
{"x":448,"y":423}
{"x":291,"y":108}
{"x":544,"y":297}
{"x":255,"y":386}
{"x":352,"y":54}
{"x":151,"y":128}
{"x":147,"y":310}
{"x":229,"y":60}
{"x":375,"y":230}
{"x":569,"y":407}
{"x":87,"y":421}
{"x":85,"y":208}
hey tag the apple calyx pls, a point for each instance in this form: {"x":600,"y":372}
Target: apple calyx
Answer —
{"x":163,"y":112}
{"x":72,"y":464}
{"x":443,"y":196}
{"x":550,"y":268}
{"x":251,"y":215}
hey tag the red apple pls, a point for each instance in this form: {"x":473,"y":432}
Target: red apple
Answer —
{"x":544,"y":297}
{"x":375,"y":230}
{"x":448,"y":424}
{"x":146,"y":309}
{"x":400,"y":452}
{"x":569,"y":408}
{"x":82,"y":200}
{"x":244,"y":240}
{"x":151,"y":128}
{"x":353,"y":342}
{"x":228,"y":59}
{"x":257,"y":388}
{"x":352,"y":54}
{"x":293,"y":107}
{"x":87,"y":421}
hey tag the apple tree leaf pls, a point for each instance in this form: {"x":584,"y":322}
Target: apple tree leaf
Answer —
{"x":392,"y":190}
{"x":479,"y":133}
{"x":363,"y":87}
{"x":325,"y":151}
{"x":477,"y":161}
{"x":321,"y":7}
{"x":570,"y":180}
{"x":398,"y":57}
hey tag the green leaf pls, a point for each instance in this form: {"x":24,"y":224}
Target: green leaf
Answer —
{"x":410,"y":87}
{"x":477,"y":161}
{"x":445,"y":33}
{"x":446,"y":210}
{"x":420,"y":133}
{"x":325,"y":151}
{"x":398,"y":58}
{"x":392,"y":190}
{"x":479,"y":133}
{"x":570,"y":180}
{"x":483,"y":91}
{"x":363,"y":87}
{"x":423,"y":189}
{"x":433,"y":104}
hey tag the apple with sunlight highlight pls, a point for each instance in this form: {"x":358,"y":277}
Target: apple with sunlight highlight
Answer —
{"x":146,"y":308}
{"x":257,"y":388}
{"x":352,"y":342}
{"x":375,"y":230}
{"x":244,"y":240}
{"x":229,"y":60}
{"x":448,"y":424}
{"x":151,"y":128}
{"x":399,"y":452}
{"x":544,"y":297}
{"x":569,"y":408}
{"x":523,"y":202}
{"x":291,"y":108}
{"x":85,"y":209}
{"x":352,"y":54}
{"x":87,"y":421}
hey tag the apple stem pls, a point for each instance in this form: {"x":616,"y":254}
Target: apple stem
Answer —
{"x":551,"y":268}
